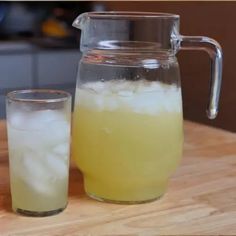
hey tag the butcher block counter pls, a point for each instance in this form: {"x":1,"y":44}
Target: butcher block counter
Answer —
{"x":201,"y":198}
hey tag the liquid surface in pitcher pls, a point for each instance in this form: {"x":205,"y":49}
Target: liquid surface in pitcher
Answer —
{"x":127,"y":138}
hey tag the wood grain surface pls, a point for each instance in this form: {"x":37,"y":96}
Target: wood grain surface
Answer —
{"x":201,"y":198}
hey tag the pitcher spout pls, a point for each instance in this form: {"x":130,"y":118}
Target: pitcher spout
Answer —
{"x":80,"y":21}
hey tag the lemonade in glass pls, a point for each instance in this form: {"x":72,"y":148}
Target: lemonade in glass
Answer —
{"x":38,"y":125}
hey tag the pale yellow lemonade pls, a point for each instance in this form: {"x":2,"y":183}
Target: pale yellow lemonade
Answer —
{"x":39,"y":146}
{"x":127,"y":138}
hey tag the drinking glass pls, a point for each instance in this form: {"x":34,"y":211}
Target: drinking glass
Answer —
{"x":38,"y":128}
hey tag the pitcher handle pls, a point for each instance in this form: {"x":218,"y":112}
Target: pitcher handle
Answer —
{"x":214,"y":50}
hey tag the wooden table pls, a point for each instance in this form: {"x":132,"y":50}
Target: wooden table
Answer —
{"x":201,"y":199}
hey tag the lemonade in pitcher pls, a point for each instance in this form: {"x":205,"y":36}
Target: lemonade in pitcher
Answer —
{"x":128,"y":123}
{"x":127,"y":138}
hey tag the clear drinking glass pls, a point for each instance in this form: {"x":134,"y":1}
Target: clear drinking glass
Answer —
{"x":38,"y":127}
{"x":128,"y":123}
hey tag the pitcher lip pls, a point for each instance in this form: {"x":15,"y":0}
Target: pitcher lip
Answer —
{"x":130,"y":14}
{"x":119,"y":15}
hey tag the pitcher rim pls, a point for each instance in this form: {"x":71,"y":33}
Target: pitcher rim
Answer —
{"x":131,"y":14}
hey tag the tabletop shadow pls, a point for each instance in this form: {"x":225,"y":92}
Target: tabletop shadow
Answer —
{"x":6,"y":201}
{"x":76,"y":189}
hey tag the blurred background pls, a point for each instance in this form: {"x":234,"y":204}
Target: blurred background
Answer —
{"x":40,"y":49}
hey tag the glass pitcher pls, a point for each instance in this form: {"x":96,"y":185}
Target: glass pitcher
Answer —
{"x":128,"y":123}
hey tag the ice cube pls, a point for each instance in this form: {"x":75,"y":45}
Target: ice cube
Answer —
{"x":46,"y":131}
{"x":57,"y":167}
{"x":62,"y":149}
{"x":39,"y":119}
{"x":99,"y":103}
{"x":17,"y":120}
{"x":125,"y":93}
{"x":54,"y":132}
{"x":95,"y":87}
{"x":32,"y":140}
{"x":142,"y":96}
{"x":43,"y":187}
{"x":32,"y":164}
{"x":111,"y":103}
{"x":14,"y":137}
{"x":35,"y":120}
{"x":35,"y":174}
{"x":57,"y":132}
{"x":15,"y":159}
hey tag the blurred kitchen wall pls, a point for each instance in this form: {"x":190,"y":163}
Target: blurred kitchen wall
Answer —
{"x":42,"y":49}
{"x":212,"y":19}
{"x":38,"y":46}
